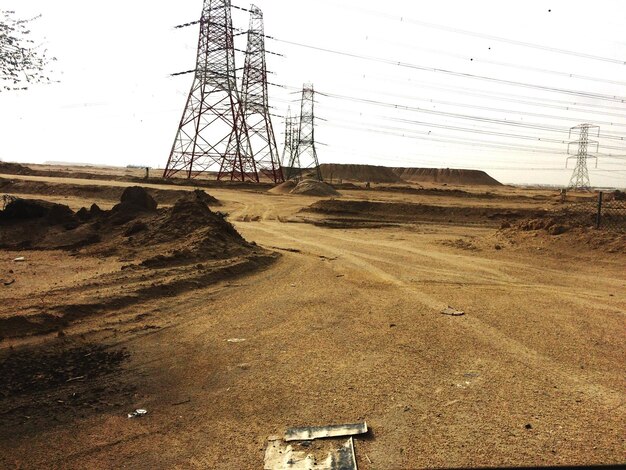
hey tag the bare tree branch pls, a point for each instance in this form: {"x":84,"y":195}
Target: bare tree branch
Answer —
{"x":21,"y":61}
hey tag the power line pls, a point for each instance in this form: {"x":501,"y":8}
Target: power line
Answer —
{"x":491,"y":37}
{"x":504,"y":64}
{"x":457,"y":115}
{"x":598,"y":96}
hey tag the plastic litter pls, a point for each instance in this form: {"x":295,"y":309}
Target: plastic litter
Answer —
{"x":235,"y":340}
{"x":138,"y":413}
{"x":19,"y":259}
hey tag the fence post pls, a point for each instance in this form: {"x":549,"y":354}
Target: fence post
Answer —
{"x":599,"y":213}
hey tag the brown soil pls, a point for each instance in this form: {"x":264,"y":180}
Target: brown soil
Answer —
{"x":163,"y":252}
{"x":344,"y":326}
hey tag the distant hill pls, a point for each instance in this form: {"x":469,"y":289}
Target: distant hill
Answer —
{"x":447,"y":175}
{"x":384,"y":174}
{"x":371,"y":173}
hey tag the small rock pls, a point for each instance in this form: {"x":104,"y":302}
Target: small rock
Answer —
{"x":528,"y":426}
{"x":498,"y":247}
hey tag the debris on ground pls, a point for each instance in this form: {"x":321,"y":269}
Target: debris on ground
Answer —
{"x":307,"y":455}
{"x":309,"y":448}
{"x":452,"y":311}
{"x":19,"y":259}
{"x":235,"y":340}
{"x":138,"y":413}
{"x":316,"y":432}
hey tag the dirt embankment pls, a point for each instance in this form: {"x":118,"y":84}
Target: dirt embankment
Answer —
{"x":447,"y":175}
{"x":205,"y":180}
{"x":342,"y":213}
{"x":7,"y":168}
{"x":559,"y":228}
{"x":102,"y":192}
{"x":161,"y":252}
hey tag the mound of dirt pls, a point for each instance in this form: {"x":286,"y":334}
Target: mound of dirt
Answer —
{"x":314,"y":188}
{"x":138,"y":197}
{"x":205,"y":198}
{"x":15,"y":169}
{"x":362,"y":173}
{"x":46,"y":213}
{"x":166,"y":251}
{"x":188,"y":224}
{"x":447,"y":175}
{"x":283,"y":188}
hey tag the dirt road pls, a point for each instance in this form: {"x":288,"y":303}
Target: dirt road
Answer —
{"x":346,"y":326}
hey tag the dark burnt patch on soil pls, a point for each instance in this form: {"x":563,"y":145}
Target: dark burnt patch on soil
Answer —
{"x":56,"y":384}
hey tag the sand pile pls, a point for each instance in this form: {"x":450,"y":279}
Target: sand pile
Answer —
{"x":283,"y":188}
{"x":314,"y":188}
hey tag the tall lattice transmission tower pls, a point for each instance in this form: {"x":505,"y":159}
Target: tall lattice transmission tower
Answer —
{"x":580,"y":177}
{"x":305,"y":156}
{"x":290,"y":145}
{"x":212,"y":131}
{"x":256,"y":103}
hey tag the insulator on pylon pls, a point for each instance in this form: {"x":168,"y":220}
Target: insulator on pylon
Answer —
{"x":212,"y":133}
{"x":256,"y":103}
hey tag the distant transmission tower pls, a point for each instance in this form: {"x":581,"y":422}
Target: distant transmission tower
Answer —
{"x":290,"y":145}
{"x":256,"y":103}
{"x":305,"y":156}
{"x":212,"y":130}
{"x":580,"y":177}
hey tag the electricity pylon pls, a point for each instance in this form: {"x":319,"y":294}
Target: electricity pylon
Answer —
{"x":212,"y":131}
{"x":256,"y":103}
{"x":289,"y":147}
{"x":305,"y":156}
{"x":580,"y":177}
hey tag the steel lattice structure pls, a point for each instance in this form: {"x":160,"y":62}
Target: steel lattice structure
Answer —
{"x":580,"y":177}
{"x":256,"y":103}
{"x":290,"y":145}
{"x":212,"y":131}
{"x":305,"y":156}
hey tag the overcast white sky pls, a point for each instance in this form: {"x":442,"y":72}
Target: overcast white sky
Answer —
{"x":116,"y":103}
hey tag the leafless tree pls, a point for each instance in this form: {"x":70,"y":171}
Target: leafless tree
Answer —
{"x":22,"y":61}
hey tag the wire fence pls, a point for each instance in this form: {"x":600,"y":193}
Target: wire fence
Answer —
{"x":606,"y":212}
{"x":611,"y":211}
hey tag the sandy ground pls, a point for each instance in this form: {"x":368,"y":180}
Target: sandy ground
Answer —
{"x":343,"y":327}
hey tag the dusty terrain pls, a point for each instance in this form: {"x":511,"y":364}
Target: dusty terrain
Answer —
{"x":340,"y":321}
